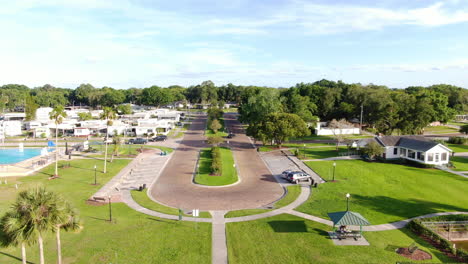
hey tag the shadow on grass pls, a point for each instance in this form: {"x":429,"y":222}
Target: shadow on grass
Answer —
{"x":13,"y":257}
{"x":288,"y":226}
{"x":403,"y":208}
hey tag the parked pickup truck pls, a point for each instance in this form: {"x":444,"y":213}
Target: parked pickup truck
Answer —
{"x":298,"y":176}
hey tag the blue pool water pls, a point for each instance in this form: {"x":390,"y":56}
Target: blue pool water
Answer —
{"x":14,"y":155}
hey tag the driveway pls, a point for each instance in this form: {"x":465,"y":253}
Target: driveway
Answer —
{"x":174,"y":186}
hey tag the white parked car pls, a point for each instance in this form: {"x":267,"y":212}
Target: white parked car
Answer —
{"x":298,"y":176}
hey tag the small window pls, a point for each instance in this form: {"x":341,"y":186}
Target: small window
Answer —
{"x":430,"y":156}
{"x":395,"y":151}
{"x":444,"y":156}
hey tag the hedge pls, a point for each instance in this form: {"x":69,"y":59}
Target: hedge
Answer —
{"x":417,"y":227}
{"x":216,"y":161}
{"x":457,"y":140}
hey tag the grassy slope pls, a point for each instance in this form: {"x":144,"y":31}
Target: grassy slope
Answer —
{"x":440,"y":130}
{"x":385,"y":192}
{"x":290,"y":239}
{"x":460,"y":163}
{"x":321,"y":153}
{"x":291,"y":196}
{"x":457,"y":147}
{"x":133,"y":238}
{"x":229,"y":175}
{"x":142,"y":199}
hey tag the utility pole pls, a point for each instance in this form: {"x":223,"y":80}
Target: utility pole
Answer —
{"x":360,"y":122}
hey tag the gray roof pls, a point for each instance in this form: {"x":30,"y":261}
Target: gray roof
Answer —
{"x":418,"y":143}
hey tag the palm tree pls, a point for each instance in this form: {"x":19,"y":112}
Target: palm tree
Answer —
{"x":68,"y":221}
{"x":117,"y":141}
{"x":57,"y":114}
{"x":16,"y":232}
{"x":39,"y":211}
{"x":108,"y":114}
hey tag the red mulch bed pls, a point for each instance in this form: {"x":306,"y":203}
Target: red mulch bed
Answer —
{"x":417,"y":255}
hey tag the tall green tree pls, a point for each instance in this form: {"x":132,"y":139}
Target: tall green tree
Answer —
{"x":30,"y":108}
{"x":280,"y":127}
{"x":57,"y":115}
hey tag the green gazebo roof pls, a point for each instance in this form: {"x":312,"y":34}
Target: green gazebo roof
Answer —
{"x":348,"y":218}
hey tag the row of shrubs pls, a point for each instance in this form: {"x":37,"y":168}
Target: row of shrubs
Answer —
{"x":216,"y":161}
{"x":458,"y":140}
{"x":417,"y":227}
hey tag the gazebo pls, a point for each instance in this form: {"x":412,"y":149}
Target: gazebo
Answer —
{"x":346,"y":218}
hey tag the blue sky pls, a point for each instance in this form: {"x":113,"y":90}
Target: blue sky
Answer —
{"x":130,"y":43}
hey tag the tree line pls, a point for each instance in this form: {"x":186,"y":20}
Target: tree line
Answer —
{"x":385,"y":110}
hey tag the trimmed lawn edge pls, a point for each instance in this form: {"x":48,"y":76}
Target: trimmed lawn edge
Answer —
{"x":143,"y":199}
{"x":293,"y":191}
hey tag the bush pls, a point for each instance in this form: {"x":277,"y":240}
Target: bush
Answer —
{"x":418,"y":228}
{"x":216,"y":161}
{"x":457,"y":140}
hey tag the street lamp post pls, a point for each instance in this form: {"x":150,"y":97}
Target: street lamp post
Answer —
{"x":110,"y":209}
{"x":95,"y":178}
{"x":303,"y":151}
{"x":334,"y":167}
{"x":347,"y":201}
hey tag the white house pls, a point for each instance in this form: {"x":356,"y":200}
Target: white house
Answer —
{"x":41,"y":131}
{"x":11,"y":128}
{"x":42,"y":114}
{"x":322,"y":130}
{"x":415,"y":148}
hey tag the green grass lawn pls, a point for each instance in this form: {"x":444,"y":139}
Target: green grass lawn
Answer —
{"x":291,"y":196}
{"x":229,"y":172}
{"x":321,"y":153}
{"x":290,"y":239}
{"x":460,"y":163}
{"x":132,"y":238}
{"x":440,"y":130}
{"x":384,"y":192}
{"x":316,"y":137}
{"x":142,"y":199}
{"x":457,"y":123}
{"x":230,"y":110}
{"x":457,"y":147}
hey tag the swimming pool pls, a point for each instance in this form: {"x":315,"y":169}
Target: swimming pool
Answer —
{"x":14,"y":155}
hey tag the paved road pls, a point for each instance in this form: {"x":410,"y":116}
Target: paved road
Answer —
{"x":175,"y":188}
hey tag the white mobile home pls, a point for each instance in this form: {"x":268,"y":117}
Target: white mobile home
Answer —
{"x":415,"y":148}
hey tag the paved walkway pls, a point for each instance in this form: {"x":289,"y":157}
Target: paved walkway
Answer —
{"x":218,"y":242}
{"x":303,"y":167}
{"x":459,"y":173}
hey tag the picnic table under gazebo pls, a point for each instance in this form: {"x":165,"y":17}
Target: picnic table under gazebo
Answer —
{"x":344,"y":219}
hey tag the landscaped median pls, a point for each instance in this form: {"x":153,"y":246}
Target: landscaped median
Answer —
{"x":224,"y":174}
